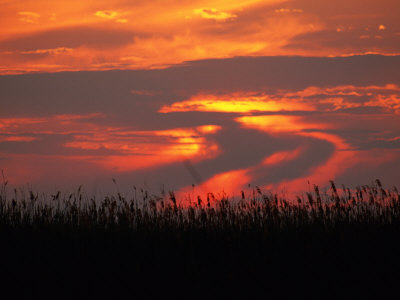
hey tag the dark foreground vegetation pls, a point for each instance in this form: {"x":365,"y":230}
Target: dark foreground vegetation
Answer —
{"x":338,"y":244}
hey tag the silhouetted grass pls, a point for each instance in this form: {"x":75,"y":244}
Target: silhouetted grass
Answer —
{"x":369,"y":205}
{"x":326,"y":243}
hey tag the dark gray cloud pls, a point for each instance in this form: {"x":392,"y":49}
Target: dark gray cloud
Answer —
{"x":382,"y":144}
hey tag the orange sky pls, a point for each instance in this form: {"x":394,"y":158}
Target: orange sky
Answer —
{"x":51,"y":36}
{"x":217,"y":93}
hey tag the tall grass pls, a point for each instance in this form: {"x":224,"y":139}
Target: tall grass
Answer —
{"x":366,"y":205}
{"x":327,"y":244}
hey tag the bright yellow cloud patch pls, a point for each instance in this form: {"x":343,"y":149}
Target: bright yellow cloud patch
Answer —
{"x":106,"y":14}
{"x":236,"y":103}
{"x":212,"y":13}
{"x":28,"y":16}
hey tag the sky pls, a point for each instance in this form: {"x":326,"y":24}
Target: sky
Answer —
{"x":216,"y":94}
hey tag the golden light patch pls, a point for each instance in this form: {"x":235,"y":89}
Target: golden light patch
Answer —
{"x":106,"y":14}
{"x":279,"y":123}
{"x":28,"y":16}
{"x":212,"y":13}
{"x":236,"y":103}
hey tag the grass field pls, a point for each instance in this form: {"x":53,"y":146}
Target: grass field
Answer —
{"x":330,"y":244}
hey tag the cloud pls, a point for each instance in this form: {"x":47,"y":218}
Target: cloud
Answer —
{"x":310,"y":99}
{"x":127,"y":149}
{"x":106,"y":14}
{"x":392,"y":143}
{"x":110,"y":15}
{"x":214,"y":14}
{"x":324,"y":101}
{"x":353,"y":101}
{"x":162,"y":36}
{"x":390,"y":103}
{"x":236,"y":103}
{"x":386,"y":97}
{"x":70,"y":38}
{"x":53,"y":51}
{"x":17,"y":138}
{"x":28,"y":16}
{"x":288,"y":10}
{"x":167,"y":32}
{"x":345,"y":30}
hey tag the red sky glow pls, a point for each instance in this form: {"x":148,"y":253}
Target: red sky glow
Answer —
{"x":215,"y":94}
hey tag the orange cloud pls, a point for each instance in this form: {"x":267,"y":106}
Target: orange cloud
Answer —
{"x":161,"y":35}
{"x":106,"y":14}
{"x":278,"y":124}
{"x":172,"y":33}
{"x":320,"y":100}
{"x":310,"y":99}
{"x":57,"y":124}
{"x":229,"y":182}
{"x":390,"y":103}
{"x":343,"y":157}
{"x":143,"y":149}
{"x":288,"y":10}
{"x":130,"y":150}
{"x":237,"y":102}
{"x":110,"y":15}
{"x":212,"y":13}
{"x":53,"y":51}
{"x":282,"y":156}
{"x":17,"y":138}
{"x":28,"y":16}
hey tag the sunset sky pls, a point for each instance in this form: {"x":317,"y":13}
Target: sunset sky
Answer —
{"x":220,"y":94}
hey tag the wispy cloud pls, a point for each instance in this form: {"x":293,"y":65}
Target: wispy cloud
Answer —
{"x":106,"y":14}
{"x":128,"y":149}
{"x":236,"y":103}
{"x":28,"y":16}
{"x":288,"y":10}
{"x":111,"y":15}
{"x":52,"y":51}
{"x":310,"y":99}
{"x":212,"y":13}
